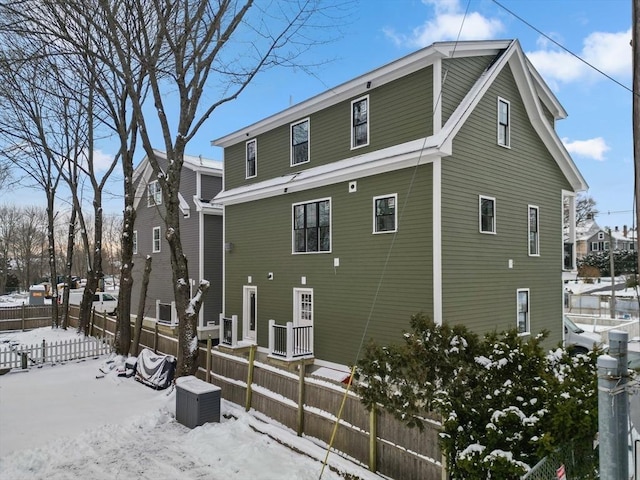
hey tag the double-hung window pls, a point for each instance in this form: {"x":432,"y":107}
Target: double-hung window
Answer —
{"x":252,"y":158}
{"x":487,"y":214}
{"x":523,"y":322}
{"x":156,"y":240}
{"x":360,"y":122}
{"x":135,"y":242}
{"x":504,"y":124}
{"x":312,"y":226}
{"x":300,"y":142}
{"x":154,"y":194}
{"x":534,"y":231}
{"x":385,"y":213}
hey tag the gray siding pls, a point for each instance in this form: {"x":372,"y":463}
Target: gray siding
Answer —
{"x":479,"y":289}
{"x":213,"y":266}
{"x":210,"y":186}
{"x":378,"y":284}
{"x":399,"y":111}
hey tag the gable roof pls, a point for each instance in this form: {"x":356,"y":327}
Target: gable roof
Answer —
{"x":533,"y":90}
{"x":143,"y":173}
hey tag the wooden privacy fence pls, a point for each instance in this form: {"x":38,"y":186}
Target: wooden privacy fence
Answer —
{"x":23,"y":356}
{"x":309,"y":406}
{"x":25,"y":317}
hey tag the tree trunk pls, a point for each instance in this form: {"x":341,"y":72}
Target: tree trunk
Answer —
{"x":53,"y":274}
{"x":71,"y":239}
{"x":141,"y":303}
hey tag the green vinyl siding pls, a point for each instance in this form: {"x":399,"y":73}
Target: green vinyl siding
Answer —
{"x":479,"y":289}
{"x":399,"y":111}
{"x":458,"y":76}
{"x":379,"y":282}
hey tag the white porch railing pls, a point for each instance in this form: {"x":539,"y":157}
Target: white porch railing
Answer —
{"x":290,"y":342}
{"x":229,"y":330}
{"x":23,"y":356}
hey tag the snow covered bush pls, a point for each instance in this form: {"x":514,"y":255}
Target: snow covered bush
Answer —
{"x":505,"y":402}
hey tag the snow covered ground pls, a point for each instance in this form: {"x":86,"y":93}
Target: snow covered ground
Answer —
{"x":61,"y":422}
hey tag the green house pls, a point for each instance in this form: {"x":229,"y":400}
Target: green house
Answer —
{"x":436,"y":184}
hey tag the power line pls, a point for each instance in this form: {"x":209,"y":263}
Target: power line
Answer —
{"x":563,"y":47}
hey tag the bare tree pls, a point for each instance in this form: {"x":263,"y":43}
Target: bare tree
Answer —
{"x":187,"y":46}
{"x":8,"y":225}
{"x":29,"y":243}
{"x":585,"y":209}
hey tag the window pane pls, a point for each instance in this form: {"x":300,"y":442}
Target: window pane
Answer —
{"x":298,"y":213}
{"x":360,"y":112}
{"x":299,"y":245}
{"x":300,"y":133}
{"x":312,"y":239}
{"x":311,"y":212}
{"x":325,"y":239}
{"x":323,"y":208}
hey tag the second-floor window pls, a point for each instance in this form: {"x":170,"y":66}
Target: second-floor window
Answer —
{"x":300,"y":142}
{"x":487,"y":214}
{"x":534,"y":231}
{"x":385,"y":213}
{"x":154,"y":194}
{"x":252,"y":158}
{"x":155,"y":248}
{"x":312,"y":226}
{"x":504,"y":135}
{"x":360,"y":122}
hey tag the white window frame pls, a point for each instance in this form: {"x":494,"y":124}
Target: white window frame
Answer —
{"x":255,"y":158}
{"x":395,"y":213}
{"x":600,"y":235}
{"x":156,"y":243}
{"x":494,"y":228}
{"x":527,"y":312}
{"x":135,"y":242}
{"x":291,"y":145}
{"x":353,"y":125}
{"x":293,"y":229}
{"x":536,"y":253}
{"x":595,"y":247}
{"x":502,"y":126}
{"x":154,"y":194}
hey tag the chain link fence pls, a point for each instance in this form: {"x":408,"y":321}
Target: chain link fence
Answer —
{"x":577,"y":462}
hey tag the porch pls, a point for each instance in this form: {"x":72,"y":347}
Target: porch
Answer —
{"x":287,"y":343}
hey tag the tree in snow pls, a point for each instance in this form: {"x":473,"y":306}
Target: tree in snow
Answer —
{"x":505,"y":403}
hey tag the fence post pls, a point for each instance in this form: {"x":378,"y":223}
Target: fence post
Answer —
{"x":155,"y":338}
{"x":272,"y":341}
{"x":44,"y":351}
{"x":373,"y":438}
{"x":301,"y":389}
{"x":208,"y":374}
{"x":289,"y":340}
{"x":252,"y":357}
{"x":93,"y":322}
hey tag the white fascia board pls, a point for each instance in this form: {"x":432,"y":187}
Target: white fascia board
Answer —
{"x":410,"y":154}
{"x":545,"y":94}
{"x":380,"y":76}
{"x":142,"y":177}
{"x":207,"y":208}
{"x":546,"y":131}
{"x":184,"y":206}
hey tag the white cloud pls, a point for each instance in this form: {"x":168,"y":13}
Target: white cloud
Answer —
{"x":101,"y":160}
{"x":609,"y":52}
{"x":594,"y":148}
{"x":447,"y":24}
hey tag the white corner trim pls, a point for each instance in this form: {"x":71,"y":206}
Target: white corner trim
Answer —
{"x":437,"y":241}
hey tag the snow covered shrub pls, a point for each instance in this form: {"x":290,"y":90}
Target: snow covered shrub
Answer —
{"x":504,"y":402}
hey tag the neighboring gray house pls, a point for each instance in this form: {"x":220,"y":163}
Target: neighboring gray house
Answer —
{"x":201,"y":235}
{"x":601,"y":241}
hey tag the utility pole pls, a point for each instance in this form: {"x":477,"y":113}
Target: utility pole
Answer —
{"x":612,"y":302}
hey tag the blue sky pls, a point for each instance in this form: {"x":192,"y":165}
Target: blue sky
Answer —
{"x":597,"y":132}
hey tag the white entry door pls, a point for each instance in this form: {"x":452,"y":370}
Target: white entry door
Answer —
{"x":303,"y":307}
{"x":249,"y":312}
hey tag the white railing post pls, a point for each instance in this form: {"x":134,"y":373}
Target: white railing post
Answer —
{"x":234,"y":330}
{"x":157,"y":311}
{"x":289,"y":340}
{"x":221,"y":327}
{"x":311,"y":340}
{"x":271,"y":336}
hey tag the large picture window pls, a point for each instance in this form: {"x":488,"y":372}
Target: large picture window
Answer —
{"x":504,"y":124}
{"x":523,"y":321}
{"x":154,"y":194}
{"x":300,"y":142}
{"x":385,"y":213}
{"x":312,"y":227}
{"x":252,"y":158}
{"x":534,"y":231}
{"x":487,"y":214}
{"x":360,"y":122}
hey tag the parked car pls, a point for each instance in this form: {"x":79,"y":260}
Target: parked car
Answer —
{"x":102,"y":301}
{"x":580,"y":340}
{"x":633,"y":354}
